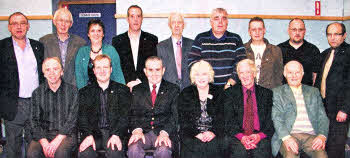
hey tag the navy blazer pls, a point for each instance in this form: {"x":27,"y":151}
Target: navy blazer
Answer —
{"x":9,"y":77}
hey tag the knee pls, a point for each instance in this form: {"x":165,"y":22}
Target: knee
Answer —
{"x":33,"y":154}
{"x":87,"y":153}
{"x":114,"y":153}
{"x":135,"y":150}
{"x":162,"y":151}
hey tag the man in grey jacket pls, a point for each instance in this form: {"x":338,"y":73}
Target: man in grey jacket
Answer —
{"x":299,"y":116}
{"x":63,"y":45}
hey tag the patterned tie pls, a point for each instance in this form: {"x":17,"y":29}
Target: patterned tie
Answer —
{"x":154,"y":94}
{"x":178,"y":59}
{"x":248,"y":115}
{"x":325,"y":73}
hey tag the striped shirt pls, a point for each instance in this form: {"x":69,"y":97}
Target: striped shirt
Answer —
{"x":223,"y":54}
{"x":302,"y":123}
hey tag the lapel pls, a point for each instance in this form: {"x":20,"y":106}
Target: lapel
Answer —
{"x":290,"y":97}
{"x":140,"y":53}
{"x":171,"y":55}
{"x":325,"y":61}
{"x":258,"y":96}
{"x":307,"y":100}
{"x":128,"y":53}
{"x":240,"y":102}
{"x":69,"y":53}
{"x":56,"y":49}
{"x":147,"y":93}
{"x":161,"y":93}
{"x":11,"y":52}
{"x":36,"y":51}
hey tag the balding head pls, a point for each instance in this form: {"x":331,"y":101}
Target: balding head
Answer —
{"x":293,"y":72}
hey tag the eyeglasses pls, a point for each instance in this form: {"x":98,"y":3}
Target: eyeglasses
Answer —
{"x":22,"y":24}
{"x":295,"y":30}
{"x":334,"y":34}
{"x":64,"y":21}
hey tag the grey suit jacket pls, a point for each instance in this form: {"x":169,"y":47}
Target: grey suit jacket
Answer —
{"x":284,"y":113}
{"x":52,"y":49}
{"x":166,"y":52}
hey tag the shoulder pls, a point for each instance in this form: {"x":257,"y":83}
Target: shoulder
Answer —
{"x":150,"y":36}
{"x":203,"y":34}
{"x":120,"y":37}
{"x":47,"y":37}
{"x":78,"y":39}
{"x":164,"y":42}
{"x":170,"y":85}
{"x":6,"y":42}
{"x":115,"y":85}
{"x":283,"y":44}
{"x":35,"y":42}
{"x":279,"y":89}
{"x":187,"y":40}
{"x":263,"y":90}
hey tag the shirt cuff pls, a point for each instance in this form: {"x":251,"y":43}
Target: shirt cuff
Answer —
{"x":137,"y":130}
{"x":286,"y":137}
{"x":164,"y":132}
{"x":262,"y":135}
{"x":239,"y":136}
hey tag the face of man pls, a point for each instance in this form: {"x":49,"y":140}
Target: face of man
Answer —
{"x":154,"y":71}
{"x":334,"y":35}
{"x":62,"y":22}
{"x":246,"y":75}
{"x":95,"y":33}
{"x":52,"y":71}
{"x":219,"y":23}
{"x":177,"y":26}
{"x":296,"y":31}
{"x":293,"y":73}
{"x":102,"y":70}
{"x":135,"y":19}
{"x":256,"y":30}
{"x":18,"y":26}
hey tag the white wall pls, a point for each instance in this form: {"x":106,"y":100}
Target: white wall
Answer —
{"x":276,"y":29}
{"x":38,"y":28}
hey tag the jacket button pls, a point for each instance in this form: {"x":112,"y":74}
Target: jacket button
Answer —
{"x":152,"y":127}
{"x":152,"y":118}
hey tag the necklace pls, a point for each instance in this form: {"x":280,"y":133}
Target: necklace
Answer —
{"x":96,"y":51}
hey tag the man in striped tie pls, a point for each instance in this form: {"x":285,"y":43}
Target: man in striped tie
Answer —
{"x":299,"y":116}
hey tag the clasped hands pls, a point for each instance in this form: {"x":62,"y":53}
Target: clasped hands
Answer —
{"x":49,"y":149}
{"x":251,"y":141}
{"x":163,"y":137}
{"x":206,"y":136}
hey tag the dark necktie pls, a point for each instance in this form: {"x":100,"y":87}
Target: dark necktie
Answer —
{"x":154,"y":94}
{"x":249,"y":115}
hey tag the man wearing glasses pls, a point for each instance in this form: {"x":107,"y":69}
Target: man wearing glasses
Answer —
{"x":334,"y":84}
{"x":20,"y":61}
{"x":297,"y":48}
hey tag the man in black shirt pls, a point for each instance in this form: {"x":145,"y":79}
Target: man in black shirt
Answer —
{"x":297,"y":48}
{"x":103,"y":109}
{"x":53,"y":114}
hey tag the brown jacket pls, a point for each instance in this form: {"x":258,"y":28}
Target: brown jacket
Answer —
{"x":271,"y":72}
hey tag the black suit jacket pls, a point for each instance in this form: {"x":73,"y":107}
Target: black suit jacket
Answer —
{"x":118,"y":102}
{"x":147,"y":48}
{"x":189,"y":110}
{"x":9,"y":77}
{"x":337,"y":82}
{"x":164,"y":111}
{"x":234,"y":110}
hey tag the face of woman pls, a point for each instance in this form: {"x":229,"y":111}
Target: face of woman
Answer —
{"x":201,"y":78}
{"x":95,"y":33}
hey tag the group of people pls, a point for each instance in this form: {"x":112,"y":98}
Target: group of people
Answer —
{"x":209,"y":97}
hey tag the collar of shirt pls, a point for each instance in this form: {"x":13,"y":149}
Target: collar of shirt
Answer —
{"x":296,"y":90}
{"x":151,"y":87}
{"x":252,"y":89}
{"x":60,"y":41}
{"x":223,"y":37}
{"x":15,"y":44}
{"x":134,"y":37}
{"x":48,"y":89}
{"x":175,"y":45}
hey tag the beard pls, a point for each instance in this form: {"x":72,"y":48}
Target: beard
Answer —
{"x":298,"y":41}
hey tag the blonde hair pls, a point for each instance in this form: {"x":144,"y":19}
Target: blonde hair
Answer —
{"x":201,"y":64}
{"x":174,"y":14}
{"x":51,"y":58}
{"x":249,"y":62}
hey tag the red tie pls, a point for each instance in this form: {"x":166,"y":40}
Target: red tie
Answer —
{"x":248,"y":115}
{"x":178,"y":59}
{"x":154,"y":94}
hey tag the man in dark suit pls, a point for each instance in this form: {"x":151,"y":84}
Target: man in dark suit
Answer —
{"x":247,"y":111}
{"x":21,"y":61}
{"x":334,"y":82}
{"x":134,"y":47}
{"x":103,"y":109}
{"x":174,"y":52}
{"x":153,"y":113}
{"x":62,"y":44}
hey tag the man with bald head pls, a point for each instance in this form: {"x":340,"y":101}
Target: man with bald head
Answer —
{"x":54,"y":113}
{"x":297,"y":48}
{"x":174,"y":52}
{"x":334,"y":82}
{"x":299,"y":117}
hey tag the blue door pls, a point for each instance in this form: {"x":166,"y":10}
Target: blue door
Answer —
{"x":82,"y":13}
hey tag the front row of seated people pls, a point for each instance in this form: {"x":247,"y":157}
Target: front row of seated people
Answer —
{"x":241,"y":121}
